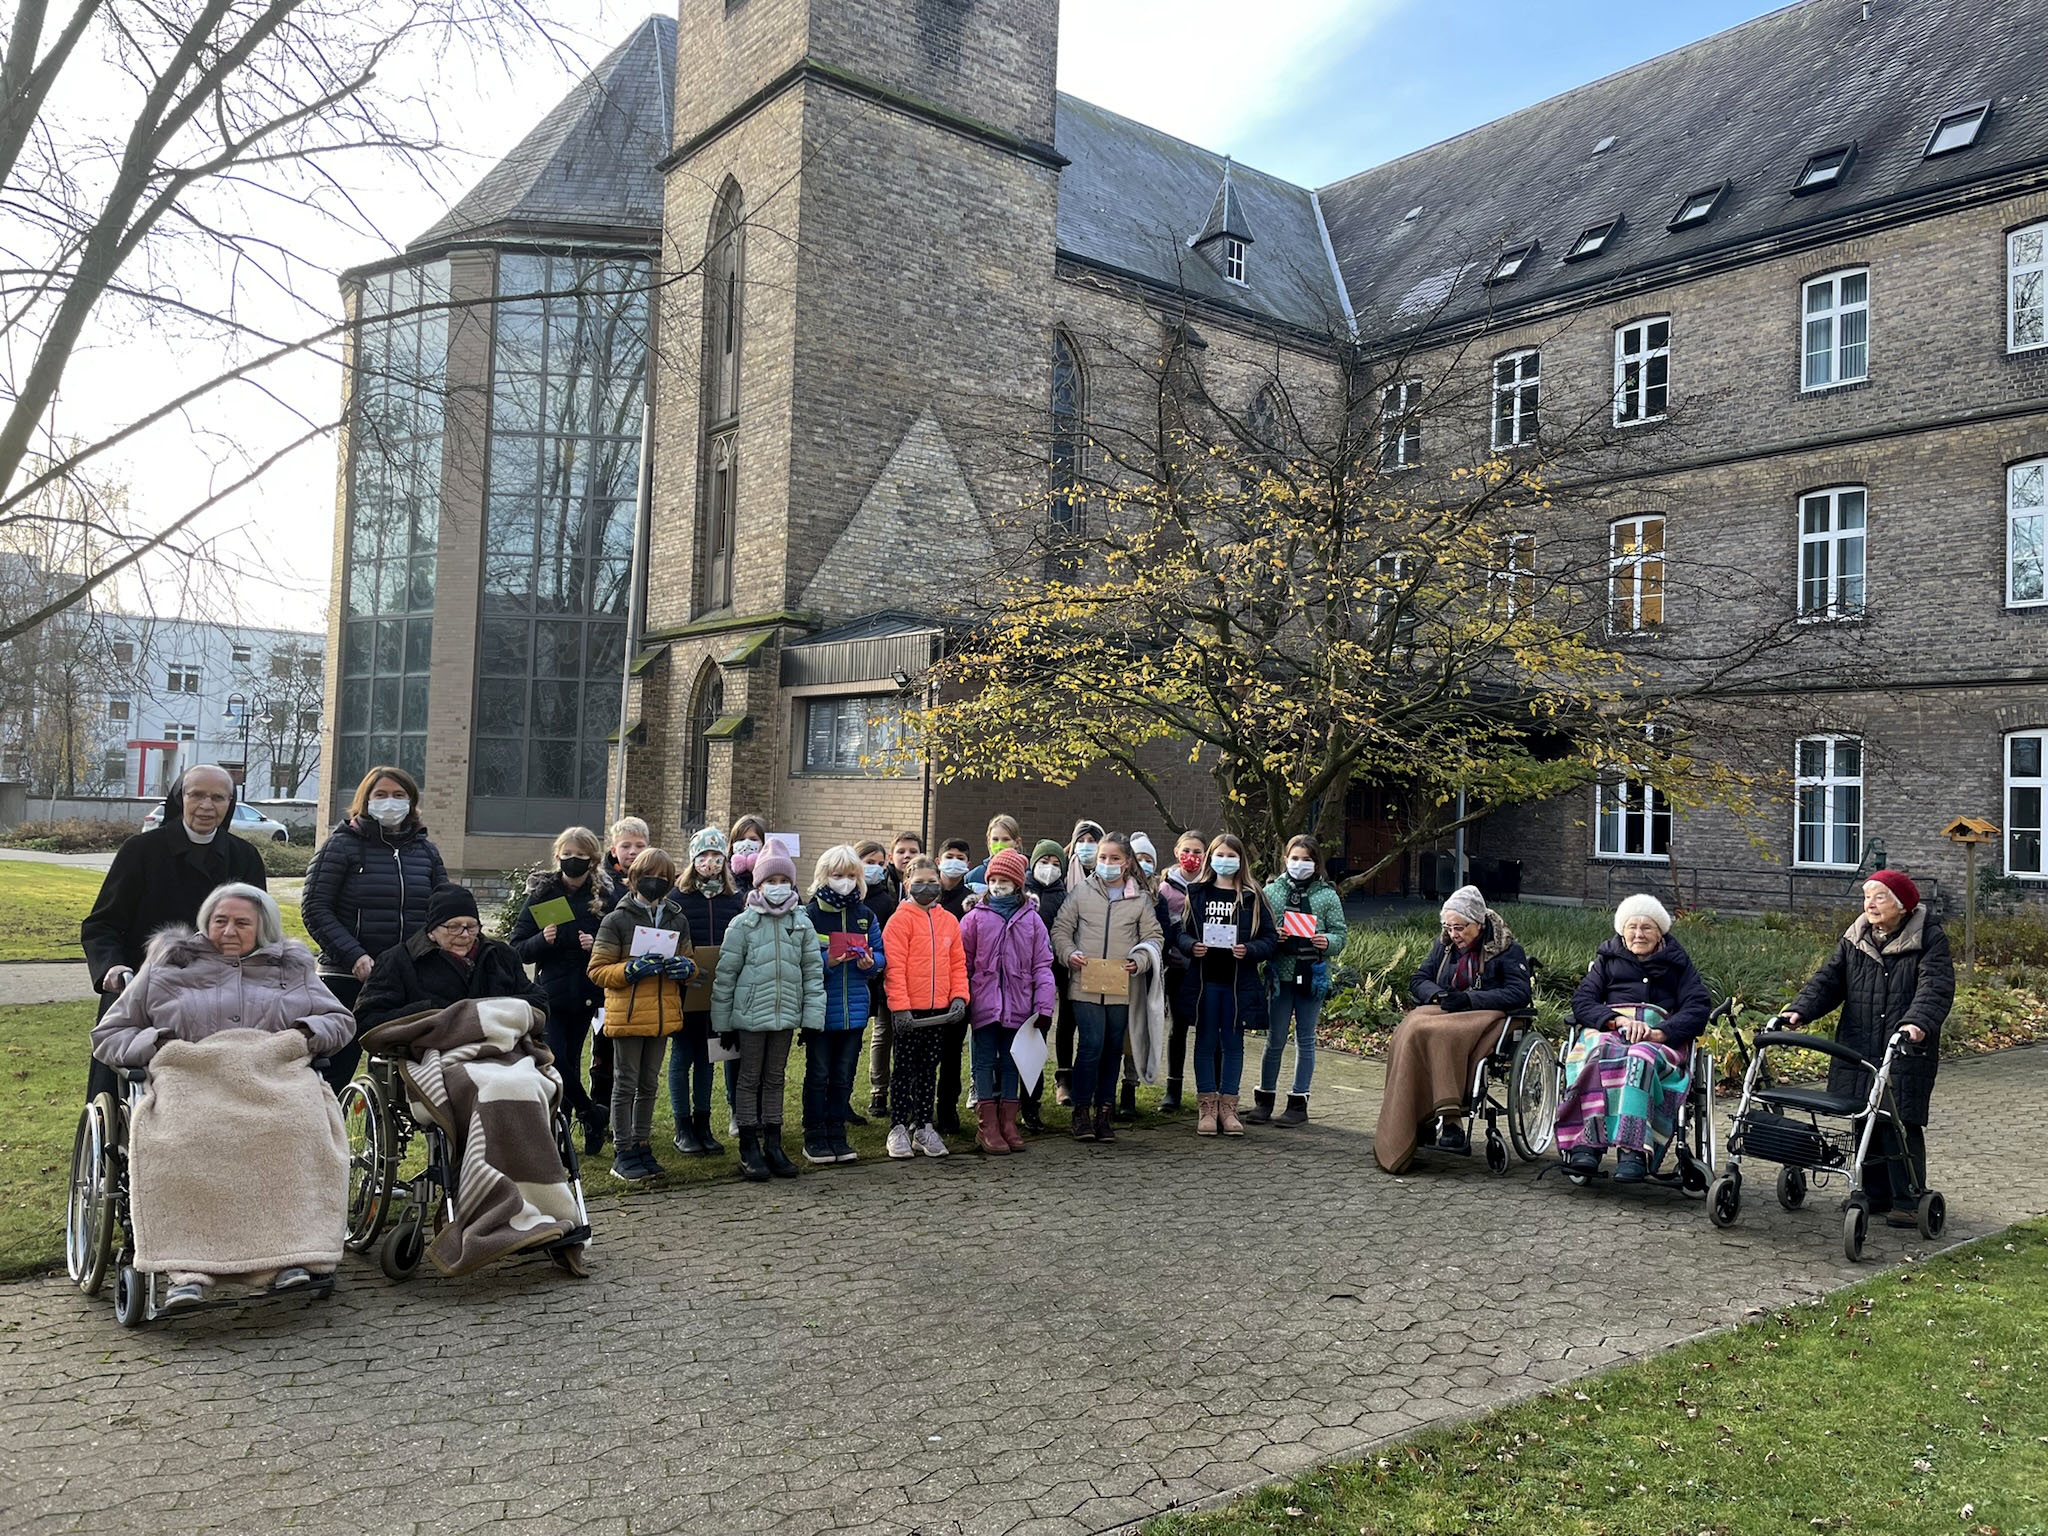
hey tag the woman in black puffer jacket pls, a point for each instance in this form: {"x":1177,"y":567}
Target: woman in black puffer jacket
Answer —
{"x":559,"y":953}
{"x":367,"y":889}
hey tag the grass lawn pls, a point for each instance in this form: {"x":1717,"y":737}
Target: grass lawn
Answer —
{"x":41,"y":905}
{"x":1915,"y":1402}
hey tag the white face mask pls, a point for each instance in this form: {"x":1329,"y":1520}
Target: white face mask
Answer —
{"x":1223,"y":864}
{"x":746,"y":845}
{"x":1301,"y":869}
{"x":1147,"y":865}
{"x":1047,"y":872}
{"x":389,"y":810}
{"x":953,"y":867}
{"x":1001,"y":890}
{"x":874,"y":872}
{"x":1085,"y":852}
{"x":842,"y":885}
{"x":778,"y":894}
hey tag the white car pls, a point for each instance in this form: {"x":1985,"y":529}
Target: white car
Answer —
{"x":249,"y":822}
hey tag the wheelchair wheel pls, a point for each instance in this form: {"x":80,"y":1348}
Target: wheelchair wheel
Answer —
{"x":1496,"y":1153}
{"x":1724,"y":1201}
{"x":131,"y":1297}
{"x":1532,"y":1096}
{"x":400,"y":1256}
{"x":368,"y":1127}
{"x":1932,"y":1214}
{"x":1855,"y":1227}
{"x":1791,"y":1188}
{"x":89,"y":1216}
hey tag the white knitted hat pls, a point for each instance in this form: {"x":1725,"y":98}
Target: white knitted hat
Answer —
{"x":1642,"y":904}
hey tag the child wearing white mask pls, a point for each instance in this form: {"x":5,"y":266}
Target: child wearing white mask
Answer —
{"x":1079,"y":854}
{"x":838,"y":906}
{"x":1233,"y":993}
{"x":1300,"y":978}
{"x":769,"y":984}
{"x":1110,"y":917}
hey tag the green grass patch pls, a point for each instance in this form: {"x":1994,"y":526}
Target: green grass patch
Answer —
{"x":1915,"y":1402}
{"x":41,"y":906}
{"x":43,"y":1058}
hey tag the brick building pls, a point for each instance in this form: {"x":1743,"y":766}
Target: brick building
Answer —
{"x":1800,"y":262}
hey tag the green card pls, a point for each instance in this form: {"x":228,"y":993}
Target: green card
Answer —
{"x":558,"y":910}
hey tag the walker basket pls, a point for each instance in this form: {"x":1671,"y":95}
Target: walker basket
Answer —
{"x":1777,"y":1139}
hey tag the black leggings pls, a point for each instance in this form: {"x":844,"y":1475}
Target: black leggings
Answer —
{"x":566,"y":1032}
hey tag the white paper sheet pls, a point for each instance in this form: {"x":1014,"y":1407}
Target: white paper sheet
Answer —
{"x":1220,"y":935}
{"x":713,"y":1051}
{"x":655,"y":941}
{"x":1028,"y":1051}
{"x":792,"y":844}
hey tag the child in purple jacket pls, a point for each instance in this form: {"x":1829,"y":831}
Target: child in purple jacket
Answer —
{"x":1009,"y":985}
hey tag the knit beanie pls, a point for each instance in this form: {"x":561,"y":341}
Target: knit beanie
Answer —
{"x":1899,"y":885}
{"x":1046,"y":848}
{"x":1142,"y":845}
{"x":1468,"y":903}
{"x":1642,"y":904}
{"x":769,"y":865}
{"x":708,"y":840}
{"x":1008,"y":865}
{"x":451,"y":901}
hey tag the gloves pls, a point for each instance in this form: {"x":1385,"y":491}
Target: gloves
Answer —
{"x":1454,"y":1002}
{"x":642,"y":966}
{"x":728,"y":1040}
{"x":679,"y":968}
{"x":956,"y":1010}
{"x":900,"y":1018}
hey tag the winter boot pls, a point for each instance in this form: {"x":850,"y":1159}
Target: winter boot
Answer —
{"x":1084,"y":1122}
{"x":1061,"y":1091}
{"x":1169,"y":1101}
{"x":842,"y":1149}
{"x":1205,"y":1114}
{"x":772,"y":1154}
{"x":1006,"y":1122}
{"x":706,"y":1146}
{"x":1226,"y":1115}
{"x":596,"y":1126}
{"x":1027,"y":1116}
{"x":752,"y":1168}
{"x":686,"y":1138}
{"x":1262,"y":1108}
{"x":1127,"y":1102}
{"x":988,"y":1136}
{"x":1105,"y":1123}
{"x":818,"y":1148}
{"x":1296,"y":1112}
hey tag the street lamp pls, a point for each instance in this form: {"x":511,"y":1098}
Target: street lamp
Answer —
{"x":238,"y":709}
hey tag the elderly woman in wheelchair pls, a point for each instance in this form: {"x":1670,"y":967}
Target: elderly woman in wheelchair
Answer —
{"x":1635,"y":1016}
{"x":214,"y":1037}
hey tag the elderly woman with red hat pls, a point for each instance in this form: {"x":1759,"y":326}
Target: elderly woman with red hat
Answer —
{"x":1890,"y":971}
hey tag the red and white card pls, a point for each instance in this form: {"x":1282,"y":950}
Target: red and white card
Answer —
{"x":1298,"y":925}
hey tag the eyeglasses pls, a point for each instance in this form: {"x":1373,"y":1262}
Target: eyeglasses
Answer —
{"x":462,"y":930}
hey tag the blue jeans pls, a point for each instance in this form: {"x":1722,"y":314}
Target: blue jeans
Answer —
{"x":830,"y":1057}
{"x":1219,"y":1040}
{"x":689,"y":1069}
{"x":1301,"y":1005}
{"x":995,"y":1075}
{"x":1098,"y":1051}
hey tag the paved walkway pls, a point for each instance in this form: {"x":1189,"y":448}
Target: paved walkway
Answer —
{"x":1054,"y":1344}
{"x":45,"y":981}
{"x":79,"y":860}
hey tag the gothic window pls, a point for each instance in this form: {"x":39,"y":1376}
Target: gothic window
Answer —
{"x":1069,"y":435}
{"x":724,"y":318}
{"x":710,"y":705}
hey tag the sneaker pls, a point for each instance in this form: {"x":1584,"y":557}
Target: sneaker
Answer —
{"x":928,"y":1141}
{"x":818,"y":1148}
{"x":291,"y":1279}
{"x":629,"y":1167}
{"x":1453,"y":1137}
{"x":899,"y":1141}
{"x":854,"y":1116}
{"x":1583,"y":1160}
{"x":190,"y":1294}
{"x":1630,"y":1166}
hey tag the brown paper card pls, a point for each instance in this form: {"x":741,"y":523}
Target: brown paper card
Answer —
{"x":1104,"y":975}
{"x":697,"y":990}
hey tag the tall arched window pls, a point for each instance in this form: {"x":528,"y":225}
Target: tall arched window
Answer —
{"x":1069,"y":435}
{"x":724,"y":286}
{"x":697,"y":793}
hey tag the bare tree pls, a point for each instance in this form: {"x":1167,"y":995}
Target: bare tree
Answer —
{"x":287,"y":713}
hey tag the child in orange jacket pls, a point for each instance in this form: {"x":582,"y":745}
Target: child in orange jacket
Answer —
{"x":927,"y":992}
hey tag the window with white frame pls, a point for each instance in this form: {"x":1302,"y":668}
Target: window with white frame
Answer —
{"x":1233,"y":258}
{"x":1400,"y":426}
{"x":1828,"y":829}
{"x":178,"y":730}
{"x":1642,"y":371}
{"x":1632,"y":820}
{"x":242,"y":655}
{"x":179,"y":678}
{"x":2026,"y":534}
{"x":114,"y":768}
{"x":1517,"y":395}
{"x":1393,"y":599}
{"x":1836,"y":309}
{"x":1635,"y":575}
{"x":855,"y":734}
{"x":2025,"y":784}
{"x":1831,"y":542}
{"x":2026,"y":288}
{"x":1514,"y":574}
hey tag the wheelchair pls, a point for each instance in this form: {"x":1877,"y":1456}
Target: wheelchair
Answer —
{"x":1694,"y":1147}
{"x":1517,"y":1079}
{"x":99,"y":1228}
{"x":381,"y":1121}
{"x":1815,"y":1136}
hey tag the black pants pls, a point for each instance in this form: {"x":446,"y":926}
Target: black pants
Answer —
{"x":1063,"y":1034}
{"x":913,"y":1067}
{"x":952,"y":1046}
{"x":601,"y":1074}
{"x":567,"y":1029}
{"x":1886,"y":1173}
{"x":342,"y":1064}
{"x":831,"y":1056}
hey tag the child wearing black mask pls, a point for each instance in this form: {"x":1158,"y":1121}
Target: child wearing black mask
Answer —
{"x":559,"y":953}
{"x":643,"y":1006}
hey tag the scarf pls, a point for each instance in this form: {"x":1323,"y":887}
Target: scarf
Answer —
{"x":1005,"y":906}
{"x":1465,"y":971}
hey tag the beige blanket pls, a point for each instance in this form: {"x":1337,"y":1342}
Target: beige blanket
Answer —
{"x":237,"y":1160}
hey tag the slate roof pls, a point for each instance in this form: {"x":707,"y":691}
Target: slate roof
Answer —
{"x":1748,"y":105}
{"x":1132,"y":197}
{"x":591,"y":161}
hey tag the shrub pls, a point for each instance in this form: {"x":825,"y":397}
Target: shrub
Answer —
{"x":498,"y":920}
{"x":73,"y":834}
{"x":284,"y":861}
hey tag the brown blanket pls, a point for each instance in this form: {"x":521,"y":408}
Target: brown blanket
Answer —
{"x":1429,"y":1066}
{"x":237,"y":1160}
{"x":479,"y":1070}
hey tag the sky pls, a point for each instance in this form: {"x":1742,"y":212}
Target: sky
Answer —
{"x":1310,"y":90}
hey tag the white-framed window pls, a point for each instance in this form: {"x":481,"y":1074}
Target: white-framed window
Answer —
{"x":2026,"y":784}
{"x":1517,"y":397}
{"x":242,"y":655}
{"x":181,"y":678}
{"x":1514,"y":574}
{"x":2026,"y":288}
{"x":2026,"y":534}
{"x":1400,"y":426}
{"x":1832,"y":525}
{"x":852,"y":733}
{"x":1632,"y":820}
{"x":178,"y":730}
{"x":118,"y":711}
{"x":1828,"y":825}
{"x":1233,"y":258}
{"x":1836,"y":311}
{"x":1635,"y":574}
{"x":1392,"y":599}
{"x":1642,"y":371}
{"x":1957,"y":130}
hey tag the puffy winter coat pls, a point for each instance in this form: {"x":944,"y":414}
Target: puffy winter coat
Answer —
{"x":1107,"y":925}
{"x":187,"y":990}
{"x":366,"y":890}
{"x":1009,"y":967}
{"x":562,"y":967}
{"x":415,"y":977}
{"x":1911,"y":980}
{"x":1503,"y":985}
{"x":1665,"y":978}
{"x":771,"y":974}
{"x":848,"y":989}
{"x":157,"y":880}
{"x":1212,"y":903}
{"x":1319,"y":897}
{"x":927,"y":965}
{"x":642,"y":1006}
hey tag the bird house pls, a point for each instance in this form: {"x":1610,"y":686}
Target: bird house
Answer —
{"x":1970,"y":829}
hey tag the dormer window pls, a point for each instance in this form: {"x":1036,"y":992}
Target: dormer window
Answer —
{"x":1511,"y":262}
{"x":1958,"y":130}
{"x":1593,"y":240}
{"x":1824,"y":170}
{"x":1233,"y":259}
{"x":1698,"y":207}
